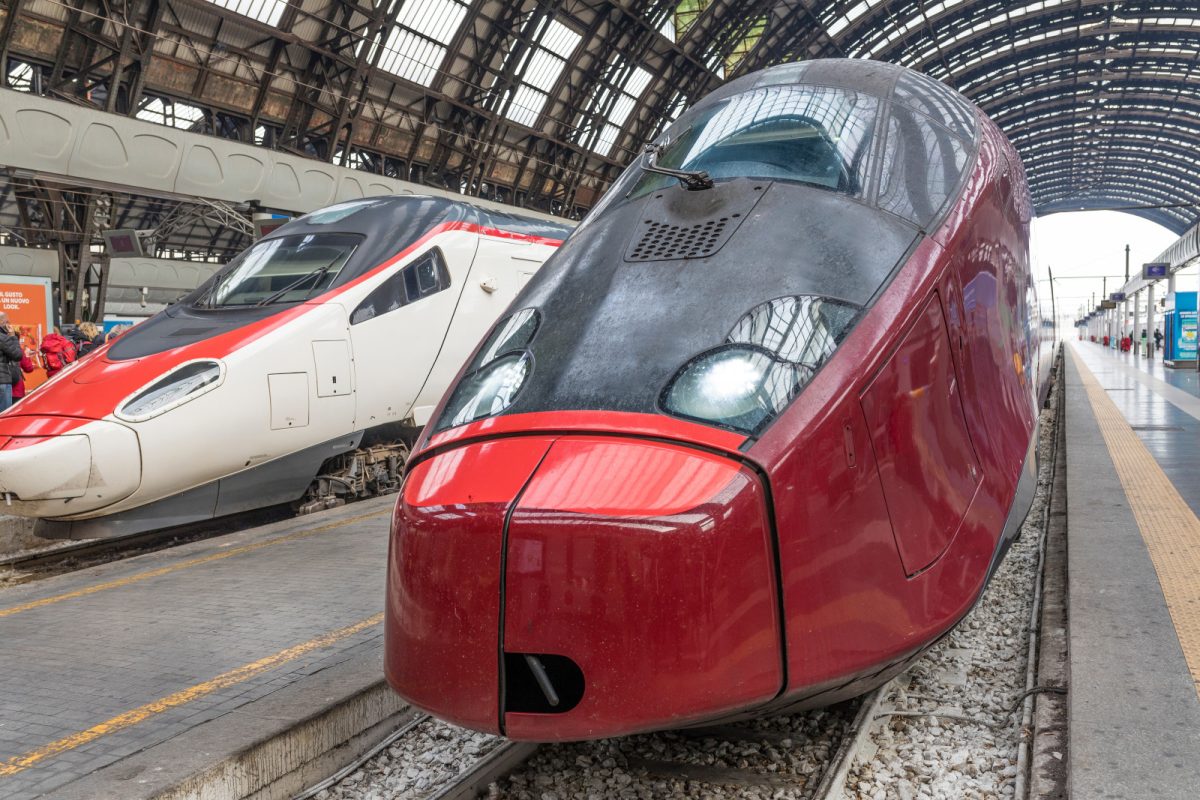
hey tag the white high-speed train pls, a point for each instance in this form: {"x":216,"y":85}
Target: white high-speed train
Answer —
{"x":298,"y":373}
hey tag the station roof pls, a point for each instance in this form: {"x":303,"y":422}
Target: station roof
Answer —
{"x":540,"y":103}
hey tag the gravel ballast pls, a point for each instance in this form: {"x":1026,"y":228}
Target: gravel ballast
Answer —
{"x":956,"y":734}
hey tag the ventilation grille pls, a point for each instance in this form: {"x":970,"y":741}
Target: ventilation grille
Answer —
{"x":661,"y":241}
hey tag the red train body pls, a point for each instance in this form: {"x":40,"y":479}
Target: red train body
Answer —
{"x":583,"y":554}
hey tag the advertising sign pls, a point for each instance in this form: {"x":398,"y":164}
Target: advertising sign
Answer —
{"x":28,"y":303}
{"x":1185,"y":339}
{"x":1155,"y":270}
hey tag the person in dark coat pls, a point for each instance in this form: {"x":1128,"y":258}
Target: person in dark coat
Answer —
{"x":10,"y":357}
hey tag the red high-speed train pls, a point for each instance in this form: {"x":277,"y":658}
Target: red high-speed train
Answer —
{"x":756,"y":437}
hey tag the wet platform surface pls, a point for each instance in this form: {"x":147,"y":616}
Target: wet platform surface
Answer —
{"x":99,"y":664}
{"x":1133,"y":493}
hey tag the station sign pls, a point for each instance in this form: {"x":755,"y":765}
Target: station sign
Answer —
{"x":126,"y":242}
{"x":1155,"y":270}
{"x":266,"y":223}
{"x":1117,"y":297}
{"x":1107,"y":305}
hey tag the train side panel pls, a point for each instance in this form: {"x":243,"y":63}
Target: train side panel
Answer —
{"x":852,"y":604}
{"x":395,"y":350}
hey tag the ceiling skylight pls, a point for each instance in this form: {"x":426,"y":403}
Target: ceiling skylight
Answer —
{"x":615,"y":98}
{"x":265,"y":11}
{"x":541,"y":66}
{"x":416,"y":45}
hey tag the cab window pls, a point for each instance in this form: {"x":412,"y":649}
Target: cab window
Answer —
{"x":805,"y":134}
{"x":426,"y":276}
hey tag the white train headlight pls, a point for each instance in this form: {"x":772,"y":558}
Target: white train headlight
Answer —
{"x":497,"y":373}
{"x":181,"y":385}
{"x":769,"y":356}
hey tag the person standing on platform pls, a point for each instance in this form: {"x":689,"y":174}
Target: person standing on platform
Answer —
{"x":1158,"y":340}
{"x":27,"y":366}
{"x":10,"y":360}
{"x":90,"y":337}
{"x":57,"y":352}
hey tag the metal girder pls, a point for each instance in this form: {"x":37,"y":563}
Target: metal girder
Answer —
{"x":219,"y":218}
{"x":311,"y":78}
{"x":70,"y":221}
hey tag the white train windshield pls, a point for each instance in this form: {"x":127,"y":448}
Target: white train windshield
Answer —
{"x":286,"y":269}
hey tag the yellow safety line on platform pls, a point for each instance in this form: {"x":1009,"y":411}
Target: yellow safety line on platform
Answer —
{"x":154,"y":573}
{"x":130,"y":718}
{"x":1168,"y":525}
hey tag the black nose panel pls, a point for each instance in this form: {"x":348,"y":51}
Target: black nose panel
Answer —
{"x":541,"y":683}
{"x":679,"y":224}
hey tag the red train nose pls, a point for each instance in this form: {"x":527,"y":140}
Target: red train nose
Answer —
{"x":586,"y":587}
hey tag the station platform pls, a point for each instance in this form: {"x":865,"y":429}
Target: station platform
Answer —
{"x":1133,"y":540}
{"x":126,"y":679}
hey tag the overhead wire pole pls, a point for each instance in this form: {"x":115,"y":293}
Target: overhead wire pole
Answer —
{"x":1053,"y":306}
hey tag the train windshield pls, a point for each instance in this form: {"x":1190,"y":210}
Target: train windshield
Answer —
{"x":287,"y":269}
{"x":804,"y":134}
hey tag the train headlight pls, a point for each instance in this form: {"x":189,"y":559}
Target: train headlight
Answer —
{"x":488,"y":391}
{"x":738,"y":387}
{"x":769,"y":356}
{"x":183,"y":384}
{"x":497,"y":373}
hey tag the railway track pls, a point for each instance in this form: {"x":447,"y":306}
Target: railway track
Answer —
{"x":487,"y":774}
{"x":470,"y":781}
{"x":826,"y":782}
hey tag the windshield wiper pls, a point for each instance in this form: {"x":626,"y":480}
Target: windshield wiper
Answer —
{"x":692,"y":180}
{"x":316,"y":273}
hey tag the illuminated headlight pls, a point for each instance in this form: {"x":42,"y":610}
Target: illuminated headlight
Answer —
{"x":737,"y":387}
{"x":183,"y":384}
{"x":769,"y":356}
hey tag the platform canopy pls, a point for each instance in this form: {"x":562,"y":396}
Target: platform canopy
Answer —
{"x":540,"y":103}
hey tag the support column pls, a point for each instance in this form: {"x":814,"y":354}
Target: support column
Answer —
{"x":1150,"y":321}
{"x":1137,"y":322}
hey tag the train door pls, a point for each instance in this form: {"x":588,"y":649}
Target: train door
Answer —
{"x":501,"y":269}
{"x":399,"y":328}
{"x":923,"y":450}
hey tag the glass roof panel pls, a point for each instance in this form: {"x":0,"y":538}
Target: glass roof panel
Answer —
{"x":543,"y":65}
{"x":267,"y":12}
{"x":416,"y":45}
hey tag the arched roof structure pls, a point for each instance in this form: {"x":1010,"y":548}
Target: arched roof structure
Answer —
{"x":1102,"y":99}
{"x":540,"y":103}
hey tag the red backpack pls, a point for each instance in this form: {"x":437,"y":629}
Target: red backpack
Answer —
{"x":57,"y":352}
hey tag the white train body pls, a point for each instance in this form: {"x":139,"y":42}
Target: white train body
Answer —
{"x":235,"y":398}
